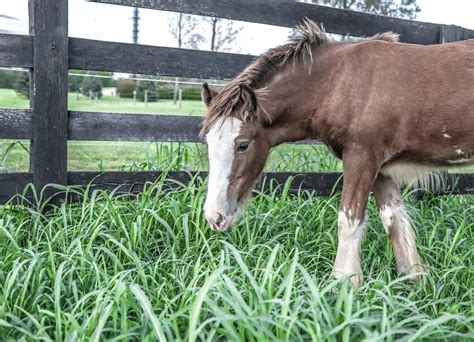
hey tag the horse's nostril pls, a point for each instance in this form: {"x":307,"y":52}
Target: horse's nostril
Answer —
{"x":219,"y":220}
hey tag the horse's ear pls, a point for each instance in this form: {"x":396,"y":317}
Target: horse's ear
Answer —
{"x":247,"y":96}
{"x":207,"y":94}
{"x":250,"y":105}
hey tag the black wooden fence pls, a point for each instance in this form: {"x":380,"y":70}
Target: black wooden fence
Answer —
{"x":48,"y":52}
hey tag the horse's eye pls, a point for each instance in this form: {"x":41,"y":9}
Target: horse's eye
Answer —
{"x":243,"y":147}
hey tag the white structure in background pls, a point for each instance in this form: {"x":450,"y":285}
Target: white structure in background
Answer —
{"x":109,"y":91}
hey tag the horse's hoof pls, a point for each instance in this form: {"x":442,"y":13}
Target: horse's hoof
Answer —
{"x":414,"y":273}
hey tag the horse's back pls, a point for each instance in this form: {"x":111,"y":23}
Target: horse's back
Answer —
{"x":419,"y":100}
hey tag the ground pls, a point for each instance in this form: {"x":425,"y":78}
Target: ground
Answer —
{"x":147,"y":267}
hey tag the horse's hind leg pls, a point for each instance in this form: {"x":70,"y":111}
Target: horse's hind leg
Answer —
{"x":397,"y":225}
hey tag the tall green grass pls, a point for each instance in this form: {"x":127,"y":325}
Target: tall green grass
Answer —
{"x":147,"y":267}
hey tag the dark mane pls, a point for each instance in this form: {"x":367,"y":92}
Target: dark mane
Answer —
{"x":308,"y":36}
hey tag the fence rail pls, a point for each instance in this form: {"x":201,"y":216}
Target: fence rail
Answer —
{"x":324,"y":184}
{"x":97,"y":126}
{"x":289,"y":14}
{"x":48,"y":52}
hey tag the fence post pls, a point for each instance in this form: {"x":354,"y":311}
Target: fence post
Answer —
{"x":48,"y":153}
{"x":449,"y":34}
{"x":180,"y":98}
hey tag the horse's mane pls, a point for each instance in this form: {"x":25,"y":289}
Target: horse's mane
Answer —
{"x":299,"y":47}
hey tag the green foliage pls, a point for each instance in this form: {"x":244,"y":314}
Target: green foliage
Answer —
{"x":149,"y":86}
{"x":393,"y":8}
{"x":22,"y":84}
{"x":107,"y":81}
{"x":126,"y":87}
{"x":9,"y":150}
{"x":93,"y":84}
{"x":74,"y":81}
{"x":189,"y":92}
{"x":8,"y":77}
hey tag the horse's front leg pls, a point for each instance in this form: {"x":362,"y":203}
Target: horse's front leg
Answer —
{"x":360,"y":170}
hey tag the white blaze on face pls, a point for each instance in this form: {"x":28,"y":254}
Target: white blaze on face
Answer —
{"x":221,"y":149}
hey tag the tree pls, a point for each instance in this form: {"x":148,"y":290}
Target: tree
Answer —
{"x":22,"y":84}
{"x":126,"y":88}
{"x":222,"y":34}
{"x":182,"y":28}
{"x":8,"y":78}
{"x":150,"y":86}
{"x":107,"y":81}
{"x":75,"y":81}
{"x":393,"y":8}
{"x":76,"y":78}
{"x":91,"y":84}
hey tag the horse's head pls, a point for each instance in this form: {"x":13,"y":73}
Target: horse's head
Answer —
{"x":238,"y":149}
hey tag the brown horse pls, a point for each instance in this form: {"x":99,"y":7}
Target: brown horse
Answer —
{"x":392,"y":112}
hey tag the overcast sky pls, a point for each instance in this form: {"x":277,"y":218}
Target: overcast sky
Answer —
{"x":113,"y":23}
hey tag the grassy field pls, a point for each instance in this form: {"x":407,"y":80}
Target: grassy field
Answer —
{"x":148,"y":268}
{"x":9,"y":99}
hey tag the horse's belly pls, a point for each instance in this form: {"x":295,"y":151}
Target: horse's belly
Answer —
{"x":418,"y":175}
{"x":411,"y":174}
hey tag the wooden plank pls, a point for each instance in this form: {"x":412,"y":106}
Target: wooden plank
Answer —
{"x":133,"y":127}
{"x":290,"y":13}
{"x":453,"y":33}
{"x":124,"y":182}
{"x":31,"y":74}
{"x":133,"y":182}
{"x":49,"y":148}
{"x":15,"y":123}
{"x":323,"y":183}
{"x":152,"y":60}
{"x":94,"y":126}
{"x":458,"y":183}
{"x":12,"y":184}
{"x":16,"y":51}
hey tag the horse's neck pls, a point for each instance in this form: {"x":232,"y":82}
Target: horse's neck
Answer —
{"x":290,"y":104}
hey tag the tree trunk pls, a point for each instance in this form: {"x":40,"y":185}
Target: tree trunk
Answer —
{"x":180,"y":26}
{"x":213,"y":37}
{"x":180,"y":42}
